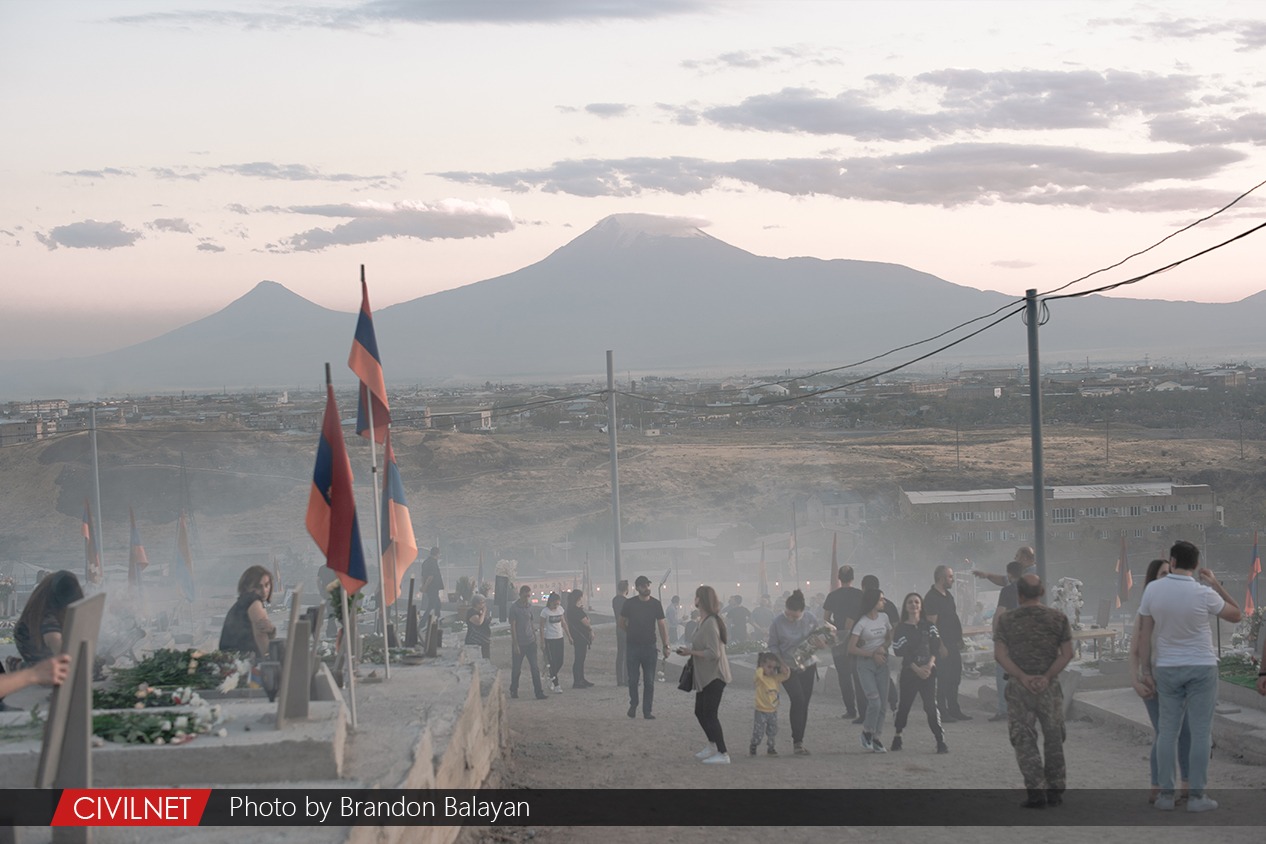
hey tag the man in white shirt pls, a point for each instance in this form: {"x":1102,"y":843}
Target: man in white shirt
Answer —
{"x":1177,"y":609}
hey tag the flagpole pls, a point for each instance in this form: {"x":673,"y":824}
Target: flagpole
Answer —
{"x":349,"y":669}
{"x":96,"y":494}
{"x":382,"y":574}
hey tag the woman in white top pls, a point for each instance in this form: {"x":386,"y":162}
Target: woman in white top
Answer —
{"x":553,"y":631}
{"x":870,"y":639}
{"x":1157,"y":569}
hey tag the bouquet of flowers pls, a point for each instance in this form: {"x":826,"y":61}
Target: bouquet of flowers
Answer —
{"x":818,"y":639}
{"x":354,"y":602}
{"x":1068,"y":598}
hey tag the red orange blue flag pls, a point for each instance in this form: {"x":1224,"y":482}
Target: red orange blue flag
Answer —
{"x":399,"y":545}
{"x":365,"y":362}
{"x":137,"y":561}
{"x":184,"y":559}
{"x":1254,"y":574}
{"x":331,"y":518}
{"x":92,"y":560}
{"x":1125,"y":581}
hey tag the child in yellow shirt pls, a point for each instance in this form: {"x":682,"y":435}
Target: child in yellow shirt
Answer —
{"x":770,"y":674}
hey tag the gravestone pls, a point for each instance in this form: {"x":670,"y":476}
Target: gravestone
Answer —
{"x":66,"y":752}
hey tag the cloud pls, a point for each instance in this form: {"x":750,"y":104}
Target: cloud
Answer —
{"x":428,"y":12}
{"x":209,"y":246}
{"x":758,"y":59}
{"x":372,"y":221}
{"x":170,"y":225}
{"x":292,"y":173}
{"x":1249,"y":34}
{"x":97,"y":174}
{"x":1195,"y":131}
{"x":1014,"y":265}
{"x":949,"y":175}
{"x":89,"y":234}
{"x":608,"y":109}
{"x":968,"y":101}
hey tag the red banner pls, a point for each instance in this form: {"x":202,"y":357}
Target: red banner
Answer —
{"x":131,"y":807}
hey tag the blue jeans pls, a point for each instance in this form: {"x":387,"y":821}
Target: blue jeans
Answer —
{"x":1184,"y":739}
{"x":1190,"y":690}
{"x":874,"y":679}
{"x":644,"y":657}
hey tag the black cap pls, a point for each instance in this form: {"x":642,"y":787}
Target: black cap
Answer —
{"x":642,"y":580}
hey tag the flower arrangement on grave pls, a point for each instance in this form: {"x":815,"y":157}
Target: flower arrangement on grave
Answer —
{"x":1067,"y":596}
{"x":507,"y":568}
{"x":804,"y":651}
{"x":172,"y":669}
{"x":1249,"y":632}
{"x":355,"y":602}
{"x":157,"y":728}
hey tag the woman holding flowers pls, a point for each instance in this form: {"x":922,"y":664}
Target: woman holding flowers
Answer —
{"x":794,"y":635}
{"x":246,"y":627}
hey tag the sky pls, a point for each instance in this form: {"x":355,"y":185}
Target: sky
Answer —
{"x":161,"y":158}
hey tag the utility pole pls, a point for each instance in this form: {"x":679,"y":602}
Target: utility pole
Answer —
{"x":615,"y":465}
{"x":1031,"y":318}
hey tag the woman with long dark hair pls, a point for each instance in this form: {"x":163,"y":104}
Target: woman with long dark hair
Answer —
{"x":917,"y":643}
{"x":789,"y":630}
{"x":711,"y":673}
{"x":554,"y":631}
{"x":581,"y":637}
{"x":869,"y":641}
{"x":246,"y":627}
{"x":38,"y":632}
{"x":1157,"y":569}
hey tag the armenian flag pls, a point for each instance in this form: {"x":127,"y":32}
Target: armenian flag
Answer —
{"x":331,"y":518}
{"x":365,"y":362}
{"x":399,"y":546}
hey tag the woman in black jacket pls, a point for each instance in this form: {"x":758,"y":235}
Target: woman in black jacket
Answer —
{"x":917,"y":643}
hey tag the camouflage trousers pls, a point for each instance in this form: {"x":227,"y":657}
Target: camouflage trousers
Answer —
{"x":1025,"y":711}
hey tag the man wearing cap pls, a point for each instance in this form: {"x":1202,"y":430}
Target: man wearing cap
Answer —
{"x":432,"y":582}
{"x":640,"y":618}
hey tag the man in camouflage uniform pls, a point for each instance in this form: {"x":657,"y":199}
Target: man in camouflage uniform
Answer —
{"x":1033,"y":643}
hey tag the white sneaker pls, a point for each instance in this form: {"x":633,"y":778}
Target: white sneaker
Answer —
{"x":1201,"y":804}
{"x":558,"y":690}
{"x":717,"y":759}
{"x":710,"y":750}
{"x":1164,"y":802}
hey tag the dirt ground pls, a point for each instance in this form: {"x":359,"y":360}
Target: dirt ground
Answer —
{"x":583,"y":739}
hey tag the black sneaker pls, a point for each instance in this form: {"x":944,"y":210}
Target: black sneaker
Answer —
{"x":541,"y":695}
{"x":633,"y":711}
{"x":751,"y":750}
{"x":771,"y":752}
{"x":1054,"y":797}
{"x":514,"y":695}
{"x":896,"y":743}
{"x":649,"y":717}
{"x":942,"y":747}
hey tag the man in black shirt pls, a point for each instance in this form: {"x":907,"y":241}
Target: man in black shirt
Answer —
{"x":640,"y":617}
{"x":432,"y":583}
{"x":941,"y":610}
{"x":736,"y":619}
{"x":842,"y":608}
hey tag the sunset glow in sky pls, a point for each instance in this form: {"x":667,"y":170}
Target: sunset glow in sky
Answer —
{"x":161,"y":158}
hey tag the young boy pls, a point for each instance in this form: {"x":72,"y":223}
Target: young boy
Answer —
{"x":770,"y":674}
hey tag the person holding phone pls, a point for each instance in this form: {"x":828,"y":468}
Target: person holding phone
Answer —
{"x":1176,"y":610}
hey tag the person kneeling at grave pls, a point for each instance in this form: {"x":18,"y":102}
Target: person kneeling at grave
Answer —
{"x":246,"y":627}
{"x":38,"y":632}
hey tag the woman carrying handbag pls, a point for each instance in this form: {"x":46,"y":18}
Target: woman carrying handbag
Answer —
{"x":711,"y":673}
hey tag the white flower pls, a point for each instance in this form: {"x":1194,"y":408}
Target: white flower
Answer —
{"x":159,"y":740}
{"x":142,"y":690}
{"x":222,"y":732}
{"x":182,"y":722}
{"x":230,"y":683}
{"x":165,"y":726}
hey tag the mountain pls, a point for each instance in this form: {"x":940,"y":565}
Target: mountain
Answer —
{"x":664,"y":295}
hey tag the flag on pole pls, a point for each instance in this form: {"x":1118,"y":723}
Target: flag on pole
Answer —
{"x":1124,"y":580}
{"x":761,"y":574}
{"x":136,"y":560}
{"x":399,"y":546}
{"x":364,"y":361}
{"x":331,"y":518}
{"x":1250,"y":592}
{"x":184,"y":560}
{"x":835,"y":566}
{"x":92,"y":562}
